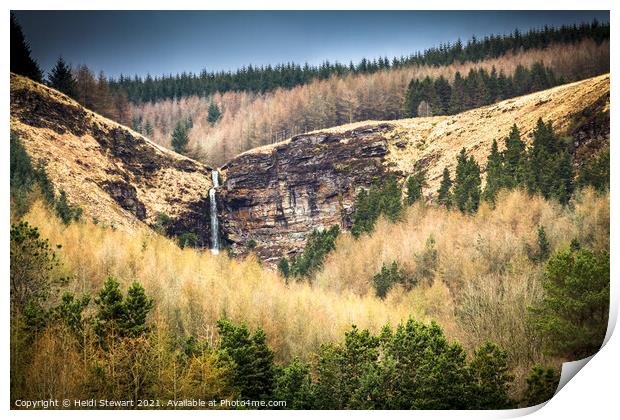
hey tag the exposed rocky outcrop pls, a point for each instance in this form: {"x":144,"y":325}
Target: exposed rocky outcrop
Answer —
{"x":116,"y":175}
{"x":277,"y":196}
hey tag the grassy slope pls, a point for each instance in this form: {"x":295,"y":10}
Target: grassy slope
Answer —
{"x":83,"y":151}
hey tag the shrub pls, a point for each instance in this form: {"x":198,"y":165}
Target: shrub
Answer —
{"x":65,"y":211}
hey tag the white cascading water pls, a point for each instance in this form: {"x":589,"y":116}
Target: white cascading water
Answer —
{"x":215,"y":225}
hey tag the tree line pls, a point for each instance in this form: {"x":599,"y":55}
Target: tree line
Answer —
{"x":429,"y":97}
{"x":262,"y":79}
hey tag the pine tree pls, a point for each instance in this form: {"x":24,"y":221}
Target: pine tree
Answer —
{"x":254,"y":374}
{"x":513,"y":160}
{"x":466,"y":194}
{"x":444,"y":196}
{"x":180,"y":138}
{"x":214,"y":114}
{"x":21,"y":60}
{"x":62,"y":79}
{"x":137,"y":307}
{"x":494,"y":174}
{"x":415,"y":183}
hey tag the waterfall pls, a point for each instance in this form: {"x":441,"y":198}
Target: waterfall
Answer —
{"x":215,"y":225}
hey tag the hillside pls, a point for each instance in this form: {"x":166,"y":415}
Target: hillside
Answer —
{"x":275,"y":195}
{"x":252,"y":119}
{"x":117,"y":176}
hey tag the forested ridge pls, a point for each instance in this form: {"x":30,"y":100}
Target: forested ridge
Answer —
{"x":260,"y":79}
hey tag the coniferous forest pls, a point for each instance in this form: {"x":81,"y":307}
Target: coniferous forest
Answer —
{"x":456,"y":272}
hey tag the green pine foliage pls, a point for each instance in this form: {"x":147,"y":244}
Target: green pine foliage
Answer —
{"x":294,"y":385}
{"x":489,"y":369}
{"x":572,"y":317}
{"x":255,"y":372}
{"x":542,"y":250}
{"x":214,"y":114}
{"x":33,"y":262}
{"x":494,"y":174}
{"x":390,"y":275}
{"x":466,"y":190}
{"x":61,"y":78}
{"x":549,"y":165}
{"x":382,"y":199}
{"x":411,"y":367}
{"x":513,"y":159}
{"x":595,"y":172}
{"x":284,"y":267}
{"x":66,"y":212}
{"x":444,"y":193}
{"x":541,"y":386}
{"x":318,"y":245}
{"x":477,"y":89}
{"x":119,"y":316}
{"x":415,"y":184}
{"x":180,"y":137}
{"x":27,"y":181}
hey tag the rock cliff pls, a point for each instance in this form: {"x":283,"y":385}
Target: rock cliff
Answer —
{"x":275,"y":197}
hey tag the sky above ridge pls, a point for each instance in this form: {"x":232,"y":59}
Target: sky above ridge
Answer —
{"x":164,"y":42}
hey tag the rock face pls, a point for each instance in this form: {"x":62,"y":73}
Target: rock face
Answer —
{"x":276,"y":197}
{"x":117,"y":176}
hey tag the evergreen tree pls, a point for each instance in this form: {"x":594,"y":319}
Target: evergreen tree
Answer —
{"x":466,"y":194}
{"x":415,"y":183}
{"x":137,"y":307}
{"x":541,"y":385}
{"x":594,"y":172}
{"x":111,"y":309}
{"x":61,"y":78}
{"x":382,"y":199}
{"x":572,"y":317}
{"x":254,"y":373}
{"x":294,"y":386}
{"x":180,"y":138}
{"x":283,"y":267}
{"x":444,"y":195}
{"x":21,"y":60}
{"x":318,"y":245}
{"x":513,"y":160}
{"x":494,"y":174}
{"x":214,"y":113}
{"x":543,"y":248}
{"x":489,"y":368}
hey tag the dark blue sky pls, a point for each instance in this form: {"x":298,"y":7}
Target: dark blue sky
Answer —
{"x":139,"y":42}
